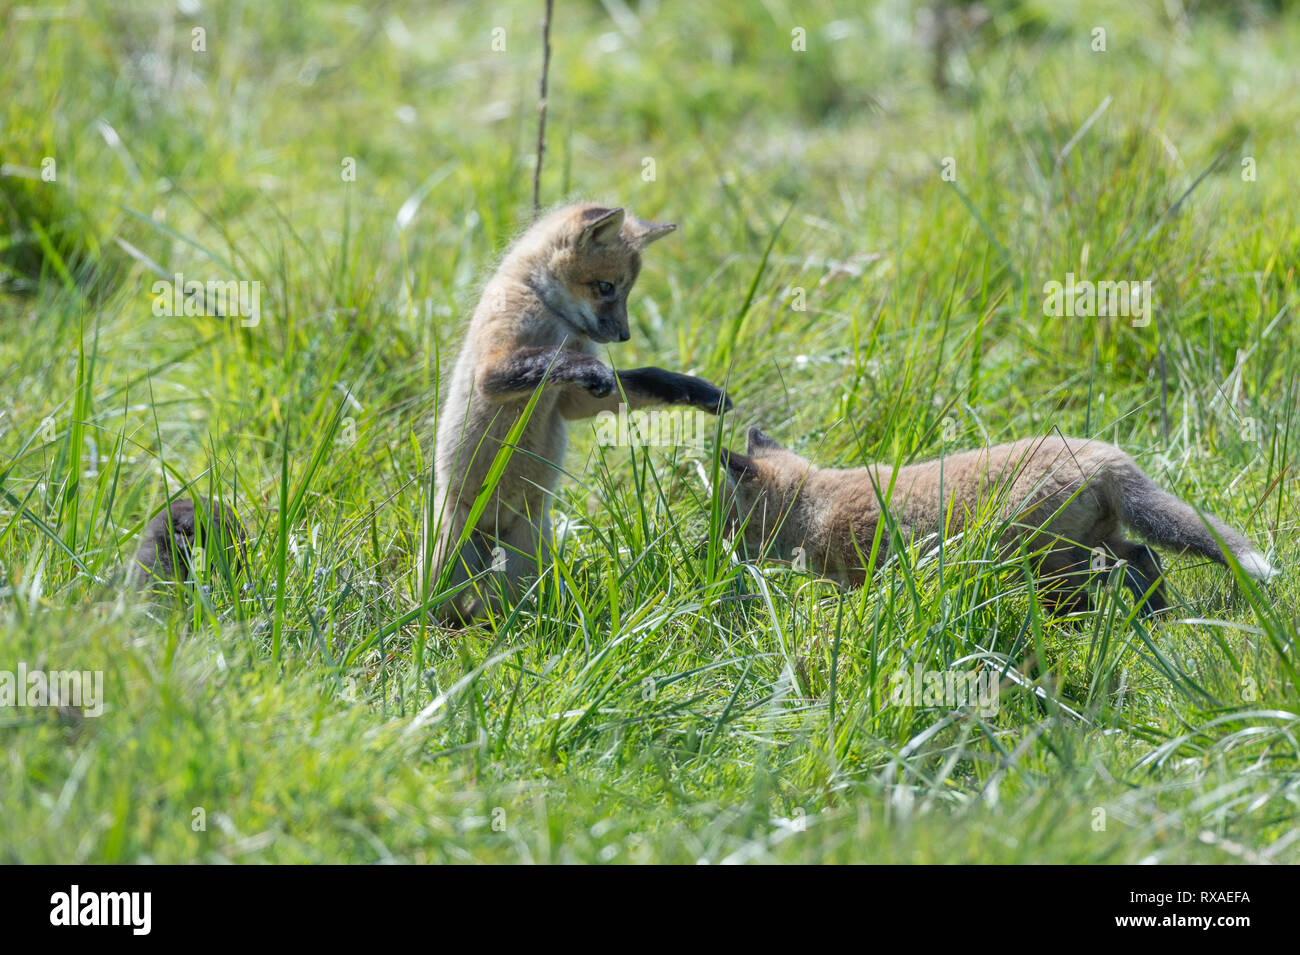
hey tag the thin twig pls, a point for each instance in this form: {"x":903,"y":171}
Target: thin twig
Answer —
{"x":1164,"y":395}
{"x":541,"y":110}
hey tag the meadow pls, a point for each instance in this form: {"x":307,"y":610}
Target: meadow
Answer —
{"x":866,"y":230}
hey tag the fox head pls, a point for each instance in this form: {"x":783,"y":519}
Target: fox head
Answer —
{"x":589,"y":265}
{"x":765,"y":499}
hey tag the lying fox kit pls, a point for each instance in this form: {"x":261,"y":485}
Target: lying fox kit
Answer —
{"x":1064,"y":497}
{"x":560,"y":291}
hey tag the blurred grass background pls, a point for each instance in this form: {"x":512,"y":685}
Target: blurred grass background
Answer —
{"x":656,"y":705}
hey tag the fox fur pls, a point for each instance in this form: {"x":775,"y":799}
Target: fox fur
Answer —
{"x":168,"y":544}
{"x":1067,"y":499}
{"x":560,"y":291}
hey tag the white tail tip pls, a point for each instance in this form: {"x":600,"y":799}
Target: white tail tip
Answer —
{"x":1257,"y":566}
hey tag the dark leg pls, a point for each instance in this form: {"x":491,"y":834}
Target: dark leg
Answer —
{"x":1142,"y":574}
{"x":641,"y":387}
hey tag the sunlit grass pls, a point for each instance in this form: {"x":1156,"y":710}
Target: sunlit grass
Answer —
{"x":657,"y":699}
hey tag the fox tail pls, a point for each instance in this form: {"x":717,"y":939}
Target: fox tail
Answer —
{"x":1165,"y":519}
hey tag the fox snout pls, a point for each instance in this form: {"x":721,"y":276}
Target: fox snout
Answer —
{"x":612,"y":332}
{"x":612,"y":324}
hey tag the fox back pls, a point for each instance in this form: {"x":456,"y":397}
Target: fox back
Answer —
{"x":1067,"y":498}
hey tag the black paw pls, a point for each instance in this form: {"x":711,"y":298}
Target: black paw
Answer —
{"x":708,"y":397}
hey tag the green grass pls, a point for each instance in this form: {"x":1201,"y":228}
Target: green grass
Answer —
{"x":659,"y":701}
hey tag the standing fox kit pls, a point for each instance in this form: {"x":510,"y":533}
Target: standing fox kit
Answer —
{"x":560,"y":291}
{"x":1066,"y":498}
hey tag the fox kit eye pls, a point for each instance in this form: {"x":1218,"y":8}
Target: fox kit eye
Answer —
{"x":605,"y":288}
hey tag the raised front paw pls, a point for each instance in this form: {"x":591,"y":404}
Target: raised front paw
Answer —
{"x":707,"y":396}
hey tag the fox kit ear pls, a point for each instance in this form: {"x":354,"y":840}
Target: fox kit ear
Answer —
{"x":600,"y":227}
{"x":758,"y":441}
{"x":641,"y":233}
{"x":739,"y":466}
